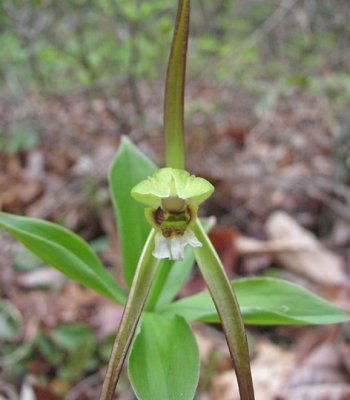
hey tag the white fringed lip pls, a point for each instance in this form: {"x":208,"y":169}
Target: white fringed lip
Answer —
{"x":174,"y":247}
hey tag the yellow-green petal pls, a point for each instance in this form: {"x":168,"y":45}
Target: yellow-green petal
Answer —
{"x":170,"y":182}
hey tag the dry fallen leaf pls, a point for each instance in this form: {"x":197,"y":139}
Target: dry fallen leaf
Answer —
{"x":106,"y":319}
{"x":320,"y":392}
{"x":317,"y":263}
{"x":270,"y":368}
{"x":296,"y":249}
{"x":41,"y":277}
{"x":321,"y":376}
{"x":223,"y":241}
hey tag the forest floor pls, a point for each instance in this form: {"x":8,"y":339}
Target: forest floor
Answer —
{"x":281,"y":173}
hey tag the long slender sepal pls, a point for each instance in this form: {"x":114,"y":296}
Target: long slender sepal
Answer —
{"x":141,"y":285}
{"x":174,"y":90}
{"x":227,"y":308}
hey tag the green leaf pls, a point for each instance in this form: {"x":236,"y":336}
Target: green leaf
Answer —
{"x":10,"y":321}
{"x":164,"y":359}
{"x":264,"y":301}
{"x":63,"y":250}
{"x":79,"y":342}
{"x":129,"y":167}
{"x":47,"y":349}
{"x":73,"y":337}
{"x":105,"y":348}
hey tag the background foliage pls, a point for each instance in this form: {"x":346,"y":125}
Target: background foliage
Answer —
{"x":108,"y":47}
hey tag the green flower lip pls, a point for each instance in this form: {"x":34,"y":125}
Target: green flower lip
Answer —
{"x":172,"y":189}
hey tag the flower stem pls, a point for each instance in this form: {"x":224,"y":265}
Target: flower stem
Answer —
{"x":143,"y":278}
{"x":158,"y":284}
{"x":228,"y":310}
{"x":174,"y":90}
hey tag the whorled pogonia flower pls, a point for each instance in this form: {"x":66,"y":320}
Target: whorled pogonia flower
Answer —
{"x":174,"y":196}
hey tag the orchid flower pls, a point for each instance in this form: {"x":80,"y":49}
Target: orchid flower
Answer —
{"x":174,"y":196}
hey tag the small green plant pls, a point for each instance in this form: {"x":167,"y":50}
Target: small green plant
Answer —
{"x":18,"y":141}
{"x":163,"y":355}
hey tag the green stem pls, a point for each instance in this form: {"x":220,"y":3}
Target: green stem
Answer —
{"x":143,"y":278}
{"x":158,"y":284}
{"x":174,"y":90}
{"x":228,"y":309}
